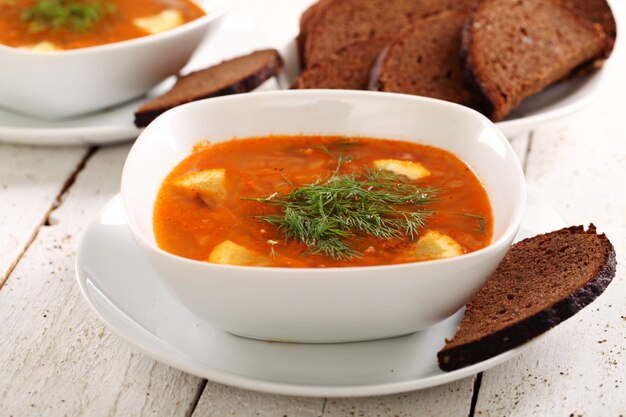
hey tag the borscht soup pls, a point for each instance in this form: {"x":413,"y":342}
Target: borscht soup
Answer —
{"x":49,"y":25}
{"x":321,"y":201}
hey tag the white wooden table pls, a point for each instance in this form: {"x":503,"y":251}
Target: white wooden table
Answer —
{"x":57,"y":359}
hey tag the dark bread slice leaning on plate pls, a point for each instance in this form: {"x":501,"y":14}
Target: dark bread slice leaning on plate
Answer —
{"x":513,"y":49}
{"x":348,"y":68}
{"x":423,"y":59}
{"x":238,"y":75}
{"x":541,"y":282}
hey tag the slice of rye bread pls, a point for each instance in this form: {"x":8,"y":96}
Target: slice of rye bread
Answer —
{"x":541,"y":282}
{"x":342,"y":22}
{"x":307,"y":19}
{"x":513,"y":49}
{"x":598,"y":12}
{"x":347,"y":69}
{"x":238,"y":75}
{"x":423,"y":59}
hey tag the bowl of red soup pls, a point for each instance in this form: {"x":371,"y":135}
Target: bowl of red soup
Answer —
{"x":62,"y":58}
{"x":323,"y":216}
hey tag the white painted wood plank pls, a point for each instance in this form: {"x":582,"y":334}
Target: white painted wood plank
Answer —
{"x":219,"y":400}
{"x":449,"y":400}
{"x":579,"y":368}
{"x":57,"y":358}
{"x":30,"y":181}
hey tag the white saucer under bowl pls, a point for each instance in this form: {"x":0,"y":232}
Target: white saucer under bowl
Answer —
{"x":121,"y":287}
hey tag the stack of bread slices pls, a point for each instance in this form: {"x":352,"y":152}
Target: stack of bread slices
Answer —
{"x":486,"y":54}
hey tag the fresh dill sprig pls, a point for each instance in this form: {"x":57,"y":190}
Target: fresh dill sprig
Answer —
{"x":273,"y":252}
{"x":325,"y":150}
{"x":326,"y":214}
{"x":75,"y":15}
{"x":345,"y":144}
{"x":340,"y":144}
{"x":287,"y":181}
{"x":480,"y":219}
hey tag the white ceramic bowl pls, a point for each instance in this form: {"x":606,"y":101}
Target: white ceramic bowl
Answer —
{"x":334,"y":304}
{"x":67,"y":83}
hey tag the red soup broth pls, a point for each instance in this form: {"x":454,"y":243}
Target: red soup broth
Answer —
{"x":186,"y":225}
{"x":115,"y":26}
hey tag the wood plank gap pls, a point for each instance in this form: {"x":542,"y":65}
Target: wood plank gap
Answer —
{"x":477,"y":382}
{"x":68,"y":184}
{"x":323,"y":406}
{"x":46,"y":219}
{"x":529,"y":148}
{"x":196,"y":399}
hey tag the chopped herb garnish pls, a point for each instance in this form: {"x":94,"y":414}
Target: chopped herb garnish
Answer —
{"x":273,"y":253}
{"x":341,"y":144}
{"x":287,"y":181}
{"x":325,"y":150}
{"x":480,"y":219}
{"x":326,"y":214}
{"x":75,"y":15}
{"x":345,"y":144}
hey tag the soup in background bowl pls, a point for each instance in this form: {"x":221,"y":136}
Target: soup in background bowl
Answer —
{"x":333,"y":304}
{"x":49,"y":25}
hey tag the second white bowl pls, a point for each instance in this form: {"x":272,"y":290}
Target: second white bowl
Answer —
{"x":61,"y":84}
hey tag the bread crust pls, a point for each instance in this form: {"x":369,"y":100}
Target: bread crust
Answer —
{"x":597,"y":12}
{"x":481,"y":100}
{"x":145,"y":115}
{"x":521,"y":332}
{"x":308,"y":19}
